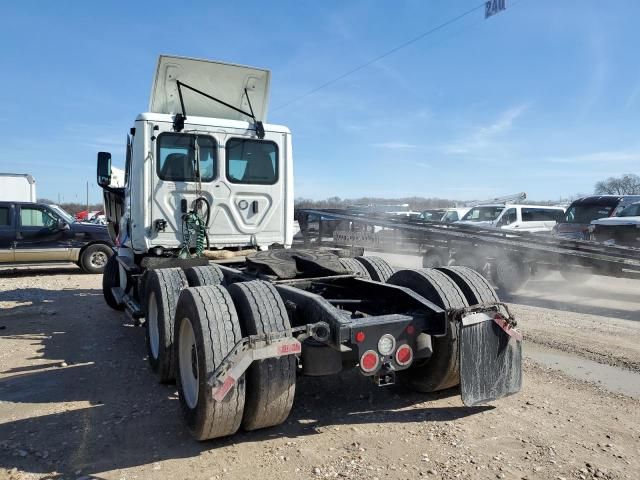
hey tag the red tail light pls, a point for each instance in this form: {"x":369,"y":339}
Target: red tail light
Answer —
{"x":369,"y":361}
{"x":404,"y":355}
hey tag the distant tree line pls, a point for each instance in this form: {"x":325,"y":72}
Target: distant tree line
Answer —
{"x":73,"y":207}
{"x":627,"y":184}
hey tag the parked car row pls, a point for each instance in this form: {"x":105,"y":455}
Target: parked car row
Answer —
{"x":603,"y":218}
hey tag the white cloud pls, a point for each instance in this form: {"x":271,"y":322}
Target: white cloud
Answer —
{"x":486,"y":137}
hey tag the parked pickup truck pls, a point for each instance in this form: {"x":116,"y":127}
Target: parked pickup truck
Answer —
{"x":623,"y":228}
{"x":39,"y":233}
{"x":583,"y":211}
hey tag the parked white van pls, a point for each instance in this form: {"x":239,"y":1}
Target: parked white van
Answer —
{"x":524,"y":218}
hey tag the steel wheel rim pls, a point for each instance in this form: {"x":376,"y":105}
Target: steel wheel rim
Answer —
{"x":152,"y":322}
{"x":98,"y":259}
{"x":188,"y":364}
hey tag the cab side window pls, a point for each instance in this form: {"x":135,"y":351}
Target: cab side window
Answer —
{"x":177,"y":153}
{"x":36,"y":217}
{"x":252,"y":162}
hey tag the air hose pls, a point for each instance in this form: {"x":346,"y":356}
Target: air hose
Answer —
{"x":194,"y":225}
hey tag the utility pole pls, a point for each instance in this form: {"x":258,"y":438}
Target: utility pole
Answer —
{"x":87,"y":200}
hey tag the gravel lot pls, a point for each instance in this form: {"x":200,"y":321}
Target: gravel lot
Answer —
{"x":77,"y":400}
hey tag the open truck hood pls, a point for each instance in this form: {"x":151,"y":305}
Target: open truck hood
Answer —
{"x":224,"y":81}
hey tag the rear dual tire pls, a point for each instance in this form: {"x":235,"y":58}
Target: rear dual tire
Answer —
{"x":354,"y":266}
{"x":207,"y":328}
{"x":442,"y":369}
{"x":204,"y":275}
{"x":271,"y":383}
{"x":476,"y":288}
{"x":210,"y":320}
{"x":162,"y":290}
{"x":379,"y":270}
{"x":449,"y":288}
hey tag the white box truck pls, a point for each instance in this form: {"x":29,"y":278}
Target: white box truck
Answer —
{"x":17,"y":187}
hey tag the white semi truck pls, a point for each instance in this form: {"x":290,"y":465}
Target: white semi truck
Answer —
{"x":17,"y":187}
{"x":205,"y":175}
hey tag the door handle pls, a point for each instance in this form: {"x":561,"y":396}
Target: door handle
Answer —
{"x":254,"y":206}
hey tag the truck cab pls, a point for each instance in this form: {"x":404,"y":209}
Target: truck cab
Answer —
{"x":197,"y":151}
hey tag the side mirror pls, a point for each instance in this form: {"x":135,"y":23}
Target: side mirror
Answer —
{"x":62,"y":225}
{"x":104,"y":169}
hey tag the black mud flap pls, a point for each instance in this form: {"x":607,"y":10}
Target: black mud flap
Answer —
{"x":490,"y":359}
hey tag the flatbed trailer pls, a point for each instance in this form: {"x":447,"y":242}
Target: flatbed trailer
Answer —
{"x":507,"y":257}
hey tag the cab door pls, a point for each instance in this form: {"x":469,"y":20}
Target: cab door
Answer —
{"x":7,"y":233}
{"x":39,"y":237}
{"x":255,"y":178}
{"x":509,"y":219}
{"x":242,"y":180}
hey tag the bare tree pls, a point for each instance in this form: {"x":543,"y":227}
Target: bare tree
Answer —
{"x":627,"y":184}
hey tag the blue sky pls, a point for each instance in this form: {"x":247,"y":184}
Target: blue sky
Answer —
{"x":542,"y":98}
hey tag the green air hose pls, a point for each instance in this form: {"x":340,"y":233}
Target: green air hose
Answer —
{"x":194,"y":225}
{"x":192,"y":222}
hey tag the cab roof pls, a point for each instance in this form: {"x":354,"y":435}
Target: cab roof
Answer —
{"x":194,"y":121}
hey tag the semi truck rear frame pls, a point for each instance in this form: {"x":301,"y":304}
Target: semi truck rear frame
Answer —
{"x":205,"y":177}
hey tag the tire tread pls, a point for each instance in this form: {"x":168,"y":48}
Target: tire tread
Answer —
{"x":378,"y":268}
{"x":270,"y":382}
{"x":167,"y":283}
{"x":353,"y":265}
{"x":204,"y":275}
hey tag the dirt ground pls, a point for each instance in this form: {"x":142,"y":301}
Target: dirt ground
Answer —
{"x":77,"y":401}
